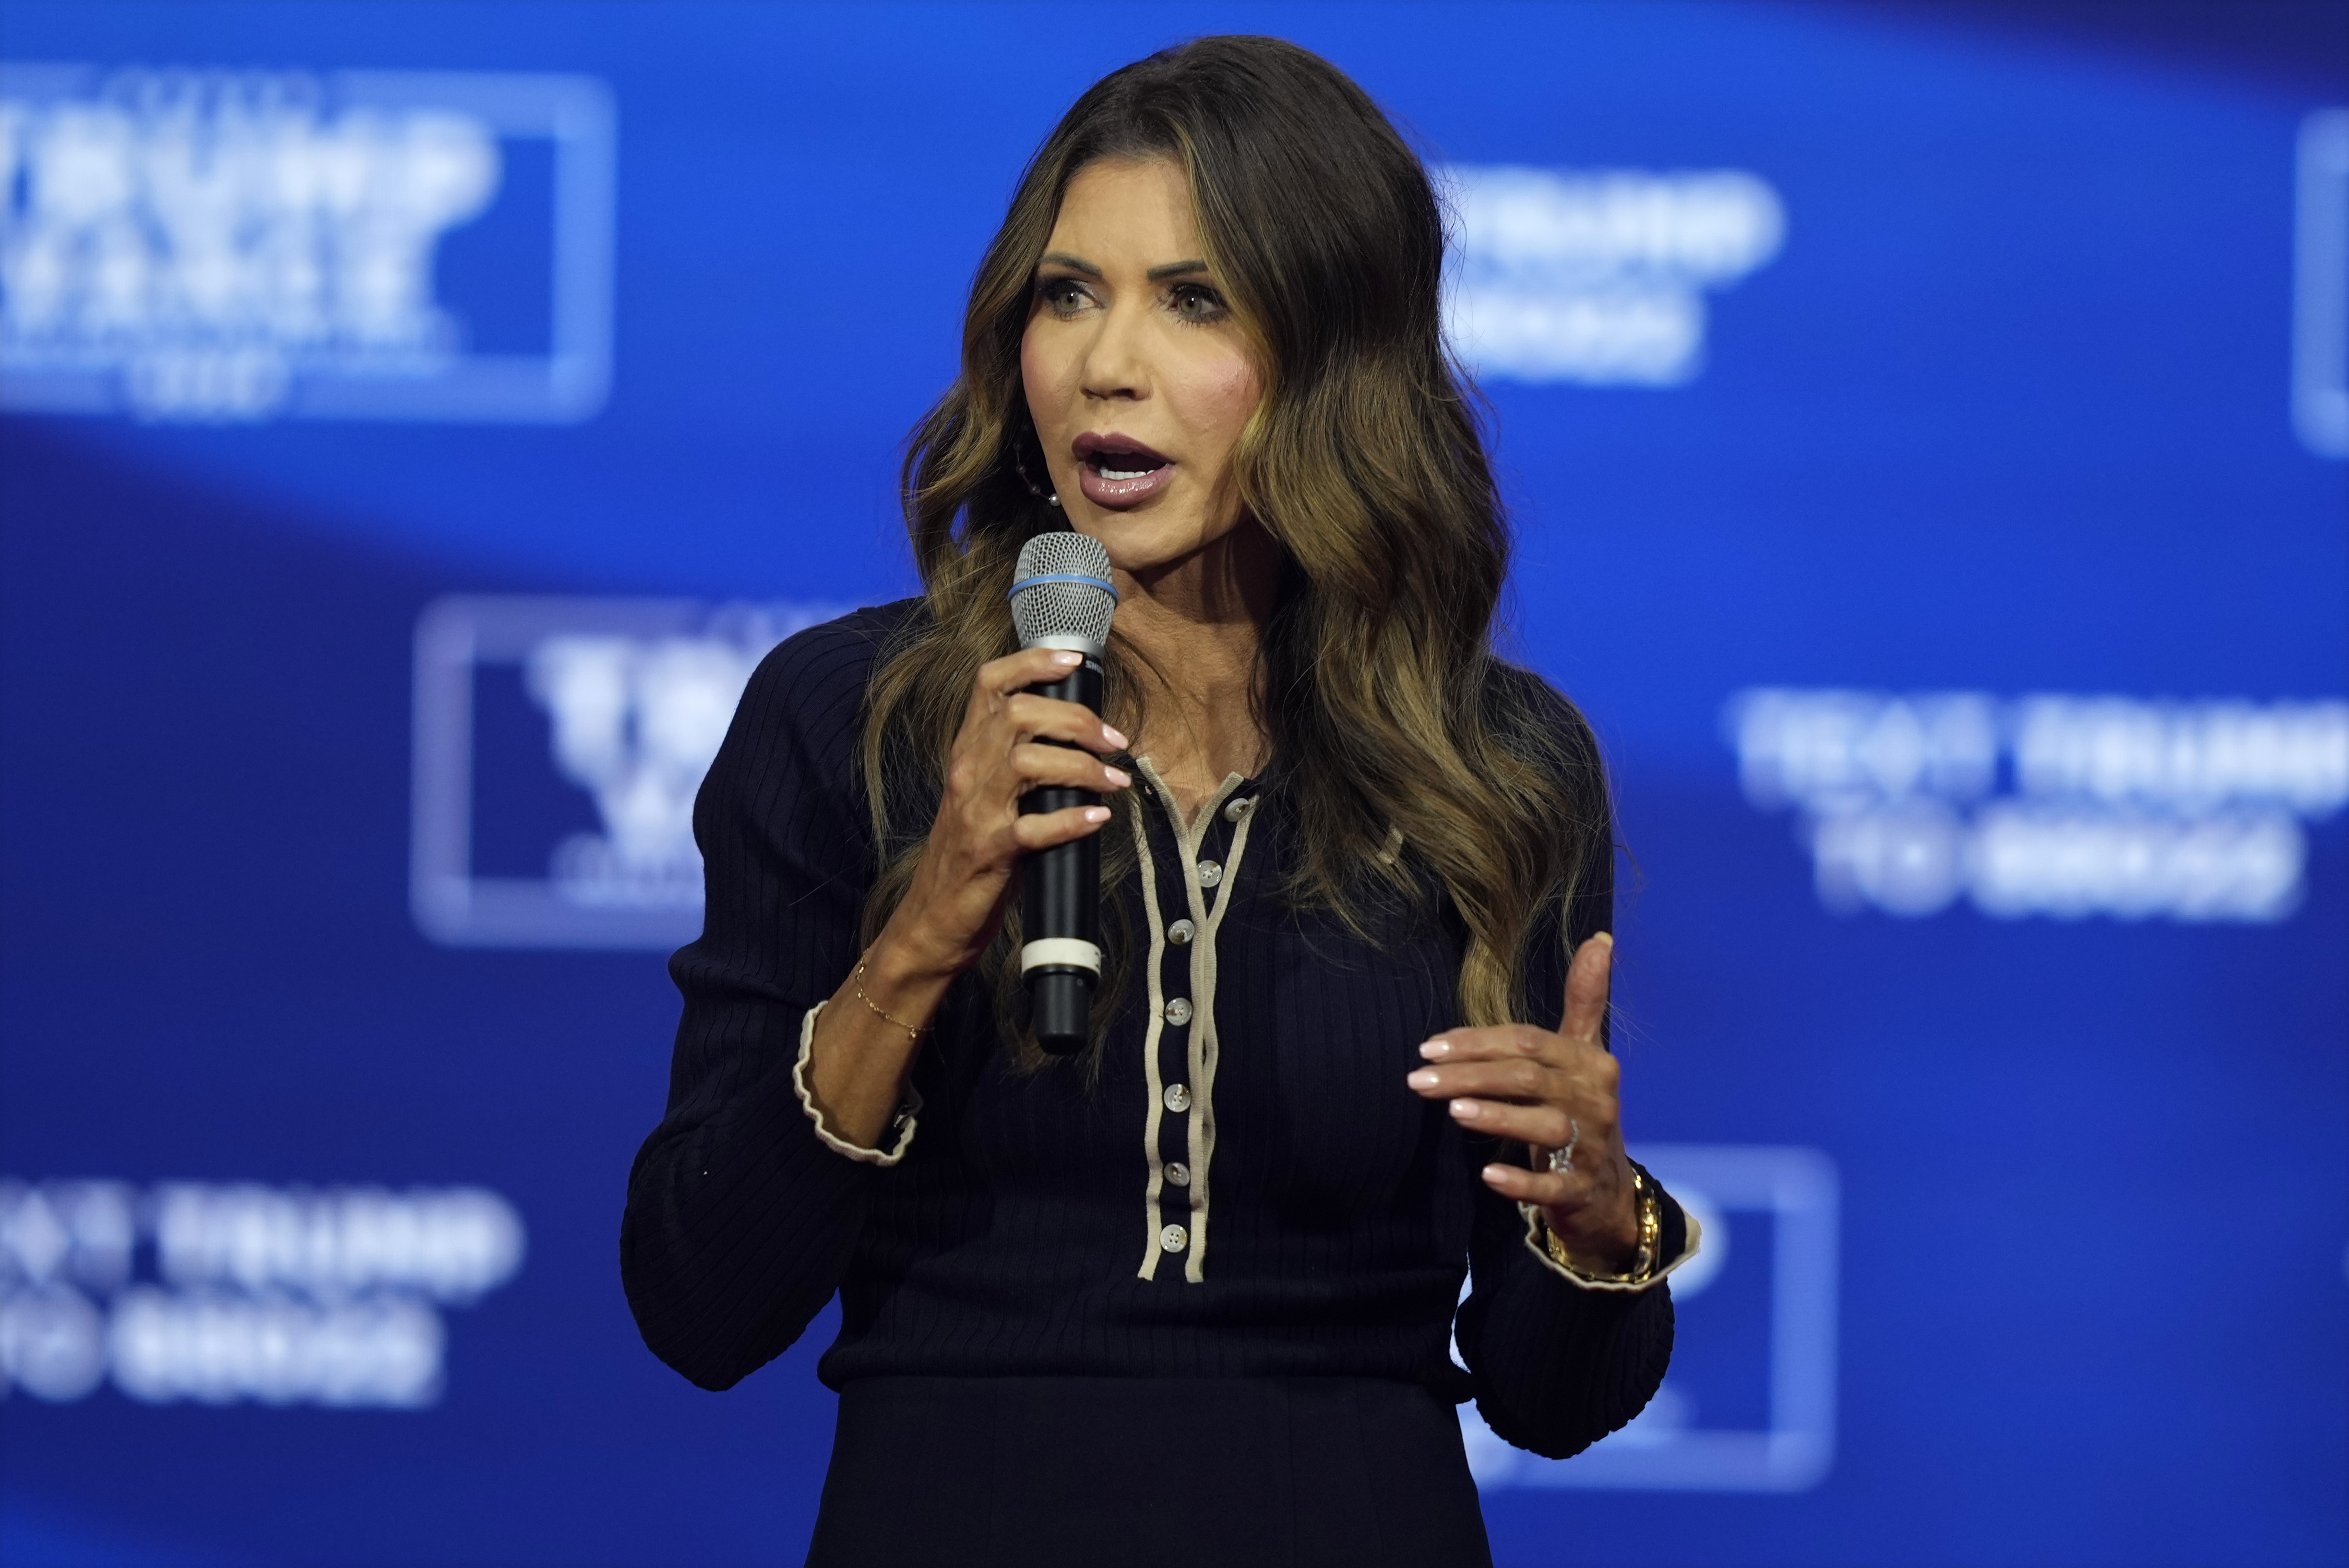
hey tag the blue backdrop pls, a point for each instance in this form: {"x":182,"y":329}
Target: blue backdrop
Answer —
{"x":1927,"y":433}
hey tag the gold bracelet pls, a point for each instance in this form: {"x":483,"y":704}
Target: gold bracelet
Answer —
{"x":913,"y":1035}
{"x":1643,"y":1260}
{"x":1652,"y":1224}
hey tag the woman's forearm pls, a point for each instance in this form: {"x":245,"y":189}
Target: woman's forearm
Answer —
{"x":866,"y":1039}
{"x":860,"y":1058}
{"x":1558,"y":1368}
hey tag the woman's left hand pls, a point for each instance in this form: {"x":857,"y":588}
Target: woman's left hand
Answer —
{"x":1553,"y":1091}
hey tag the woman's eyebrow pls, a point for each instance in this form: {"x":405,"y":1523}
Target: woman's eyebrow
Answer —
{"x":1156,"y":274}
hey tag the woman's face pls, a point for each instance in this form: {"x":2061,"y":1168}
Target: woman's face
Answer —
{"x":1137,"y":377}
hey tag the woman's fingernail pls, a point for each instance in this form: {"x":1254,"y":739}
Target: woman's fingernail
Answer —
{"x":1423,"y":1078}
{"x":1096,"y":813}
{"x":1494,"y":1174}
{"x":1115,"y":737}
{"x":1436,"y":1050}
{"x":1118,"y":777}
{"x":1068,"y":659}
{"x":1467,"y":1109}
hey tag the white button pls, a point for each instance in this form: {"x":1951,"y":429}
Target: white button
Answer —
{"x":1178,"y":1011}
{"x":1210,"y":873}
{"x":1181,"y":933}
{"x":1173,"y":1238}
{"x":1177,"y":1097}
{"x":1238,"y":808}
{"x":1178,"y":1174}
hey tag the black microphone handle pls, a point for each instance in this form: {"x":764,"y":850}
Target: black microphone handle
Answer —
{"x":1060,"y":895}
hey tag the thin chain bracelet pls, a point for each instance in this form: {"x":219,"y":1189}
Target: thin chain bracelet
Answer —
{"x":913,"y":1035}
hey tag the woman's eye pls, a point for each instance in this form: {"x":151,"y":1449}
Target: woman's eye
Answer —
{"x":1196,"y":302}
{"x":1064,"y":295}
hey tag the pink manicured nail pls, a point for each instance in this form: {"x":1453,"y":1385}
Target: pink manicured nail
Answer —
{"x":1115,"y":737}
{"x":1118,"y":777}
{"x":1467,"y":1109}
{"x":1492,"y":1174}
{"x":1068,"y":659}
{"x":1436,"y":1050}
{"x":1423,"y":1078}
{"x":1096,"y":813}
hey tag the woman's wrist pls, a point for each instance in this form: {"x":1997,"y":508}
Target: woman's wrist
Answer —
{"x":896,"y":986}
{"x":941,"y":925}
{"x":862,"y":1050}
{"x":1618,"y":1249}
{"x":907,"y":961}
{"x":1609,"y":1254}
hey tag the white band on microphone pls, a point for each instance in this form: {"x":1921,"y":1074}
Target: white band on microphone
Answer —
{"x":1060,"y":951}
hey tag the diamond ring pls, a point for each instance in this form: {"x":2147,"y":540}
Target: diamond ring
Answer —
{"x":1561,"y":1160}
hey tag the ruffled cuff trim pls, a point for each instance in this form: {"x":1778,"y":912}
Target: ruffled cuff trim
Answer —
{"x":903,"y":1122}
{"x":1536,"y":1244}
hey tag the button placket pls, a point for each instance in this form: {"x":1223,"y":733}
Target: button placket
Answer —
{"x":1175,"y":1197}
{"x":1213,"y":846}
{"x":1181,"y":1200}
{"x":1155,"y":1188}
{"x":1207,"y":851}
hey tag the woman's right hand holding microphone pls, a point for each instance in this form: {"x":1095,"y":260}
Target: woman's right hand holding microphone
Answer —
{"x":864,"y":1045}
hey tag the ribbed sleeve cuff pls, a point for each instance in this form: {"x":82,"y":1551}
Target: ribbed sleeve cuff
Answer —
{"x":902,"y":1123}
{"x":1536,"y":1244}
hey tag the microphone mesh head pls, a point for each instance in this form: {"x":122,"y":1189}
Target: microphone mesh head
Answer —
{"x":1061,"y":593}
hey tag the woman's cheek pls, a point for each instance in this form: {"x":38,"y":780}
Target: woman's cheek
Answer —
{"x":1221,"y":394}
{"x":1031,"y":380}
{"x":1037,"y":375}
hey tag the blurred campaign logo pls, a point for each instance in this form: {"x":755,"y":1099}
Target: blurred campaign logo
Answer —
{"x":1749,"y":1403}
{"x":221,"y":1294}
{"x":1599,"y":277}
{"x":2054,"y":806}
{"x":2320,"y":328}
{"x":559,"y":744}
{"x":214,"y":245}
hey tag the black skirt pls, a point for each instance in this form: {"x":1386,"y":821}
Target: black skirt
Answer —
{"x":1214,"y":1472}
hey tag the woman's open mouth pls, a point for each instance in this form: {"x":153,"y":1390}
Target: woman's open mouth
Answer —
{"x":1116,"y":472}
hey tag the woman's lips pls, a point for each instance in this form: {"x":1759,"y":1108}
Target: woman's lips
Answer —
{"x":1118,"y":493}
{"x":1118,"y":474}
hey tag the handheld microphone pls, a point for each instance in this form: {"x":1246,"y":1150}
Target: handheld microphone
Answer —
{"x":1062,"y":598}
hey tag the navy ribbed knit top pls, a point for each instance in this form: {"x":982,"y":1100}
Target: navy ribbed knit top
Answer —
{"x":1243,"y":1186}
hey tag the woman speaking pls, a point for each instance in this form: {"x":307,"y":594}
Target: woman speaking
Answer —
{"x":1189,"y":1294}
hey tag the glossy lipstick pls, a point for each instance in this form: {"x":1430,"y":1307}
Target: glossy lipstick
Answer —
{"x":1117,"y":471}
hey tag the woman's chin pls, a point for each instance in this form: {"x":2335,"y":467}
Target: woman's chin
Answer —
{"x":1143,"y":542}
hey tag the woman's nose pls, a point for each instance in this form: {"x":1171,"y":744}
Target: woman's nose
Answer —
{"x":1117,"y":361}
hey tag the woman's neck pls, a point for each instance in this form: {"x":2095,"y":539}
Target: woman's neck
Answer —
{"x":1196,"y":623}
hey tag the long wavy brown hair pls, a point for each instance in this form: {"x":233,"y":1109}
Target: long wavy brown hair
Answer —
{"x":1387,"y":710}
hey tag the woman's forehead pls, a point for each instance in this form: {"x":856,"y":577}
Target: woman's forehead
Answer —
{"x":1127,"y":214}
